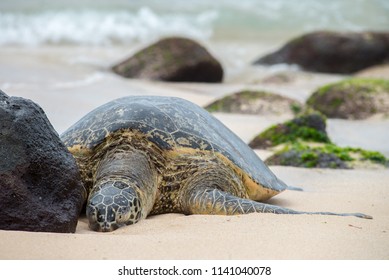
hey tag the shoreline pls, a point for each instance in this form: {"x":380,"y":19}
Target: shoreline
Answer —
{"x":81,"y":81}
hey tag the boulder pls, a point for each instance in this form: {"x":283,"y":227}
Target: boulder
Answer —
{"x":255,"y":102}
{"x":307,"y":157}
{"x":327,"y":156}
{"x":355,"y":98}
{"x":332,"y":52}
{"x":172,"y":59}
{"x":303,"y":142}
{"x":40,"y":185}
{"x":307,"y":127}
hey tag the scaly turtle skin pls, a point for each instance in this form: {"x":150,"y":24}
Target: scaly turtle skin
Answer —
{"x":141,"y":155}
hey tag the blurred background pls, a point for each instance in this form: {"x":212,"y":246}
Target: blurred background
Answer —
{"x":59,"y":53}
{"x":104,"y":22}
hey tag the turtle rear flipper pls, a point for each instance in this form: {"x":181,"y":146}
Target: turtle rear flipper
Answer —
{"x":217,"y":202}
{"x":294,"y":188}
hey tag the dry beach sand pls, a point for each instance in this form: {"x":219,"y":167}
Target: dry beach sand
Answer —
{"x":69,"y":82}
{"x":254,"y":236}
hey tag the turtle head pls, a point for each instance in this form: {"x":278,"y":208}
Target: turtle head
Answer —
{"x":112,"y":205}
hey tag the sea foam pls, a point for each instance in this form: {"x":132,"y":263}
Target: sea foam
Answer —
{"x":90,"y":27}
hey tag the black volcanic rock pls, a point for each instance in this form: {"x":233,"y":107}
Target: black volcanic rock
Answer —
{"x":40,"y":185}
{"x":332,"y":52}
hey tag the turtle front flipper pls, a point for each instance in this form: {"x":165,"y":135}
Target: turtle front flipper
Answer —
{"x":124,"y":190}
{"x":214,"y":201}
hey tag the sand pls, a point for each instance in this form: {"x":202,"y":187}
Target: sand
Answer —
{"x":68,"y":83}
{"x":253,"y":236}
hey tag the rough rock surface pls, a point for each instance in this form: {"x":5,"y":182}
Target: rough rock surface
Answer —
{"x":303,"y":142}
{"x":172,"y":59}
{"x":356,"y":98}
{"x":255,"y":102}
{"x":310,"y":127}
{"x":333,"y":52}
{"x":329,"y":155}
{"x":40,"y":185}
{"x":307,"y":158}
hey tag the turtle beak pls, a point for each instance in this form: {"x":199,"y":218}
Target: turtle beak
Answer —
{"x":108,"y":227}
{"x":103,"y":227}
{"x":101,"y":219}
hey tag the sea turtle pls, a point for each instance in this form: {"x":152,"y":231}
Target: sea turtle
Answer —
{"x":144,"y":155}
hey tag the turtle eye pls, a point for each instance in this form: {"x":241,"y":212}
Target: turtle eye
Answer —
{"x":121,"y":214}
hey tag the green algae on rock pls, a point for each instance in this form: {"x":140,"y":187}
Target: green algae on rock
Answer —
{"x":355,"y":98}
{"x":303,"y":142}
{"x":255,"y":102}
{"x":310,"y":127}
{"x":328,"y":155}
{"x":172,"y":59}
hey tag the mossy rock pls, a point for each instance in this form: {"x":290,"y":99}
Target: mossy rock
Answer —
{"x":255,"y":102}
{"x":303,"y":142}
{"x":326,"y":156}
{"x":355,"y":98}
{"x":310,"y":127}
{"x":172,"y":59}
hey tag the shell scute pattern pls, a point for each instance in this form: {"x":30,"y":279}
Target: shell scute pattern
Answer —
{"x":184,"y":139}
{"x":161,"y":138}
{"x":170,"y":123}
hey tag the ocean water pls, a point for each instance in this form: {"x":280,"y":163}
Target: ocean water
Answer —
{"x":59,"y":53}
{"x":101,"y":23}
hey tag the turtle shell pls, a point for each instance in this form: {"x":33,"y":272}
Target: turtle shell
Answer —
{"x":170,"y":123}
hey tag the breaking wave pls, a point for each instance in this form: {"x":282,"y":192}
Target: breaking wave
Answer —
{"x":107,"y":22}
{"x":100,"y":27}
